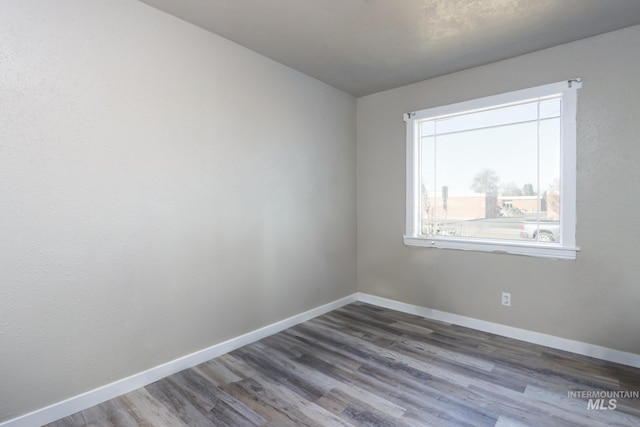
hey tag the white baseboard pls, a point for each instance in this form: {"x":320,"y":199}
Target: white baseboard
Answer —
{"x":95,"y":397}
{"x":585,"y":349}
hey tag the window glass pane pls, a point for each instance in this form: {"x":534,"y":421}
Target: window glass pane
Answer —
{"x":488,"y":118}
{"x":428,"y":128}
{"x":485,"y":182}
{"x":550,"y":108}
{"x":549,"y":225}
{"x":427,"y":186}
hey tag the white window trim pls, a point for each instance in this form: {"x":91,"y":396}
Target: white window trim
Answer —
{"x":566,"y":248}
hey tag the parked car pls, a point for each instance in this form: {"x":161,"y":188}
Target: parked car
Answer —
{"x":543,"y":231}
{"x":507,"y":212}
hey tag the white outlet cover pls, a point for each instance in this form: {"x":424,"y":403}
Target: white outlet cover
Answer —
{"x":506,"y":299}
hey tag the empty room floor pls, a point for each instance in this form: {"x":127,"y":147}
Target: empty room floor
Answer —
{"x":364,"y":365}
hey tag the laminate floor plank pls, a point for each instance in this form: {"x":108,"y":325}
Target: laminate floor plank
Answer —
{"x":171,"y":397}
{"x":212,"y":401}
{"x":391,"y":356}
{"x":362,"y":365}
{"x":410,"y":341}
{"x":247,"y":391}
{"x":376,"y":361}
{"x":217,"y":372}
{"x":280,"y":375}
{"x":433,"y":397}
{"x":148,"y":411}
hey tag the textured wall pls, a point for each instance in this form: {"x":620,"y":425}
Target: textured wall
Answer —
{"x":593,"y":299}
{"x":161,"y":190}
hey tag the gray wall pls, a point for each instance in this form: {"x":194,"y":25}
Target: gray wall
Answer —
{"x":594,"y":299}
{"x":162,"y":190}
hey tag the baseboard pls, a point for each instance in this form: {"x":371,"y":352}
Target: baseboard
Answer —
{"x":95,"y":397}
{"x":585,"y":349}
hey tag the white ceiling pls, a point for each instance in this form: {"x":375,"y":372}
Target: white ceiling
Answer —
{"x":365,"y":46}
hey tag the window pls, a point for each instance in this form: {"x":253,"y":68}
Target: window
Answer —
{"x":495,"y":174}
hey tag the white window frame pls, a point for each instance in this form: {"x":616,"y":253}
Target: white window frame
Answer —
{"x":564,"y":249}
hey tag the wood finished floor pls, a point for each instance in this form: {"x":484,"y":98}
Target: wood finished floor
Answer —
{"x":367,"y":366}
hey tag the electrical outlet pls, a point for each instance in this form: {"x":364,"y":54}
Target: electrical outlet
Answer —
{"x":506,"y":299}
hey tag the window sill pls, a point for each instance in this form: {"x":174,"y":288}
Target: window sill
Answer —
{"x":540,"y":250}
